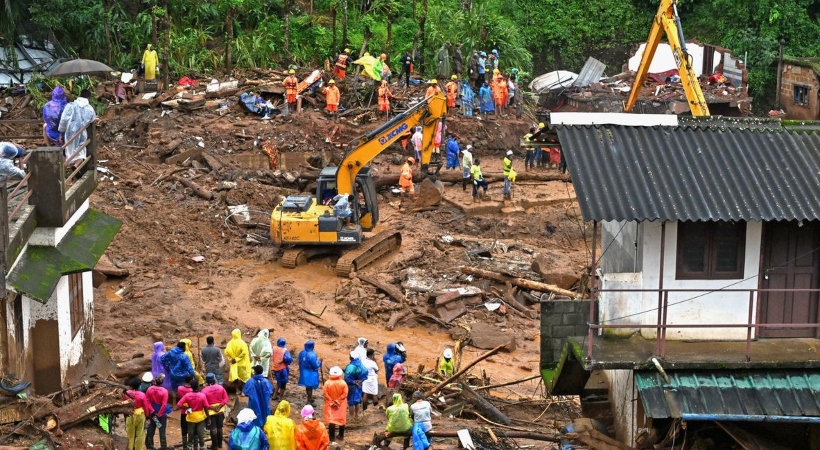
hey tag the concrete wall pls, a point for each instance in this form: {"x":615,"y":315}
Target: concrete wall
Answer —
{"x":716,"y":307}
{"x":619,"y":241}
{"x":615,"y":305}
{"x":559,"y":320}
{"x":804,"y":76}
{"x":623,"y":397}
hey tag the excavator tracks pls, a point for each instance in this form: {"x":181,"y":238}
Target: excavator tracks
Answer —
{"x":370,"y":250}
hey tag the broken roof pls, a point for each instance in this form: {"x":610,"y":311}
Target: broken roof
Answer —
{"x":812,"y":63}
{"x":24,"y":59}
{"x":693,"y":173}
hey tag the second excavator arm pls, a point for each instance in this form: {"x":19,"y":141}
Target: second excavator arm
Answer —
{"x":667,"y":20}
{"x":428,"y":113}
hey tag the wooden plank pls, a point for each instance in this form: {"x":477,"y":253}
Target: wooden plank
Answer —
{"x":184,"y":156}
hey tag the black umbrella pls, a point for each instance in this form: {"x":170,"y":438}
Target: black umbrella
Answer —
{"x":77,"y":67}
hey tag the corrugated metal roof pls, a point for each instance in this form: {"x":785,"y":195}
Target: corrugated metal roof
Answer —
{"x":682,"y":173}
{"x":785,"y":395}
{"x":590,"y":73}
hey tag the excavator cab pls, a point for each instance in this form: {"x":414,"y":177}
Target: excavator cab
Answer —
{"x":365,"y":206}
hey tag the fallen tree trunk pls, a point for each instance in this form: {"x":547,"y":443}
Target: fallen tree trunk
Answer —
{"x":485,"y":406}
{"x":455,"y":177}
{"x":521,"y":282}
{"x":509,"y":383}
{"x":463,"y":370}
{"x":132,"y":368}
{"x":198,"y":190}
{"x":387,"y":288}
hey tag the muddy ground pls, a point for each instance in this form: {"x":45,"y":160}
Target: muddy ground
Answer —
{"x":194,"y":273}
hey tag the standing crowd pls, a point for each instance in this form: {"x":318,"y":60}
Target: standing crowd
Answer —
{"x":260,"y":372}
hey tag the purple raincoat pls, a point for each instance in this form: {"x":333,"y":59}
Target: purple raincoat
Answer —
{"x":157,"y":367}
{"x":52,"y":111}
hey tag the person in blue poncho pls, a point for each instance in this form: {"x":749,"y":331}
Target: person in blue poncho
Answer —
{"x":52,"y":111}
{"x":259,"y":389}
{"x":390,"y":359}
{"x":355,"y":375}
{"x":309,"y":367}
{"x":485,"y":95}
{"x":246,"y":435}
{"x":178,"y":366}
{"x":467,"y":98}
{"x":452,"y":153}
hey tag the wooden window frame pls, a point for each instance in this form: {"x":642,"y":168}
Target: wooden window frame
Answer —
{"x":76,"y":302}
{"x":710,"y":253}
{"x":800,"y":95}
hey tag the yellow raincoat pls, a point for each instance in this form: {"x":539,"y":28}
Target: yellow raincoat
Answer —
{"x":280,"y":428}
{"x":190,"y":355}
{"x":371,"y":67}
{"x":150,"y":61}
{"x":239,"y":356}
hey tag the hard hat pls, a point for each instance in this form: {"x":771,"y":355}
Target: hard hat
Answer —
{"x":453,"y":77}
{"x":541,"y":125}
{"x":469,"y":147}
{"x":509,"y":152}
{"x":336,"y":371}
{"x":483,"y":53}
{"x":347,"y":50}
{"x":448,"y":353}
{"x":291,"y":71}
{"x":495,"y":52}
{"x":383,"y":56}
{"x":331,"y":82}
{"x":433,"y":81}
{"x":147,"y":377}
{"x":411,"y":160}
{"x":496,"y":71}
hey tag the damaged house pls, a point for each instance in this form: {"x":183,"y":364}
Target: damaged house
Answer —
{"x":799,"y":81}
{"x":20,"y":61}
{"x":52,"y":240}
{"x":723,"y":79}
{"x":706,"y":320}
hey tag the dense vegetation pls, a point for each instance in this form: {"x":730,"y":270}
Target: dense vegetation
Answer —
{"x":200,"y":36}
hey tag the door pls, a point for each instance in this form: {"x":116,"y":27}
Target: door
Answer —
{"x":791,"y":260}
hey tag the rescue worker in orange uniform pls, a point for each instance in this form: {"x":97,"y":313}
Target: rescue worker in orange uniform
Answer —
{"x":335,"y":407}
{"x":340,"y":67}
{"x":384,"y":98}
{"x":406,"y":178}
{"x":332,"y":96}
{"x":433,"y":88}
{"x":500,"y":94}
{"x":291,"y":85}
{"x":452,"y":91}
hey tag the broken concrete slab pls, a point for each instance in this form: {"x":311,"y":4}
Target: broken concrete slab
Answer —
{"x":452,"y":310}
{"x":485,"y":336}
{"x":444,"y":296}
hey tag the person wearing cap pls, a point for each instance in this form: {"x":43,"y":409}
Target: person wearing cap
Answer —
{"x":482,"y":70}
{"x":529,"y":156}
{"x":212,"y":359}
{"x":239,"y":356}
{"x":332,"y":97}
{"x":355,"y":374}
{"x":421,"y":411}
{"x":492,"y":60}
{"x":311,"y":434}
{"x":443,"y":61}
{"x":135,"y":423}
{"x":451,"y":89}
{"x":506,"y":166}
{"x":452,"y":152}
{"x":406,"y":68}
{"x":445,"y":365}
{"x":335,"y":408}
{"x":147,"y":381}
{"x":52,"y":111}
{"x":340,"y":67}
{"x":157,"y":396}
{"x":384,"y":98}
{"x":281,"y":367}
{"x":370,"y":386}
{"x":150,"y":60}
{"x":259,"y":390}
{"x":246,"y":435}
{"x":280,"y":429}
{"x":466,"y":164}
{"x":217,"y":398}
{"x":309,"y":367}
{"x":406,"y":178}
{"x":261,"y":351}
{"x":291,"y":84}
{"x":432,"y":89}
{"x":76,"y":116}
{"x":417,"y":142}
{"x":478,"y":180}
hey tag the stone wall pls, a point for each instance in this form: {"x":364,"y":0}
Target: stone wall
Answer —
{"x":559,"y":320}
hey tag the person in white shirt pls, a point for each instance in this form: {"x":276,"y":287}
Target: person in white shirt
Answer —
{"x":370,"y":387}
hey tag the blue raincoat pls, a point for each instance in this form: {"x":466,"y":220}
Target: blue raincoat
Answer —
{"x":309,"y":366}
{"x":485,"y":95}
{"x":178,"y":365}
{"x":282,"y":376}
{"x":258,"y":389}
{"x":420,"y":441}
{"x":390,"y":359}
{"x":452,"y":153}
{"x":355,"y":371}
{"x":467,"y":98}
{"x":52,"y":111}
{"x":247,"y":436}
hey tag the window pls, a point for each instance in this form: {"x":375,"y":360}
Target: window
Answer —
{"x":710,"y":250}
{"x":801,"y":95}
{"x":76,"y":303}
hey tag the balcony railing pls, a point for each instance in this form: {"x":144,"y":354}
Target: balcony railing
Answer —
{"x":661,"y":325}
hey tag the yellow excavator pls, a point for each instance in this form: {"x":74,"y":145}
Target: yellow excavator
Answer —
{"x":667,"y":20}
{"x":306,"y":224}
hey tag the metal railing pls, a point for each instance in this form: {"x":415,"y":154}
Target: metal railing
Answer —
{"x":753,"y":322}
{"x":13,"y":215}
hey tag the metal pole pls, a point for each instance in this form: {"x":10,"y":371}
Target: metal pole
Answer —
{"x":591,"y":335}
{"x":779,"y":72}
{"x":660,"y":289}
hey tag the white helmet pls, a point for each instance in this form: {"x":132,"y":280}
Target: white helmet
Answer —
{"x":469,"y":147}
{"x":509,"y":152}
{"x":147,"y":377}
{"x":448,"y":353}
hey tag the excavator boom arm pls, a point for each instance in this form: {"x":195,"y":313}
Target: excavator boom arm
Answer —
{"x":667,"y":21}
{"x":428,"y":113}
